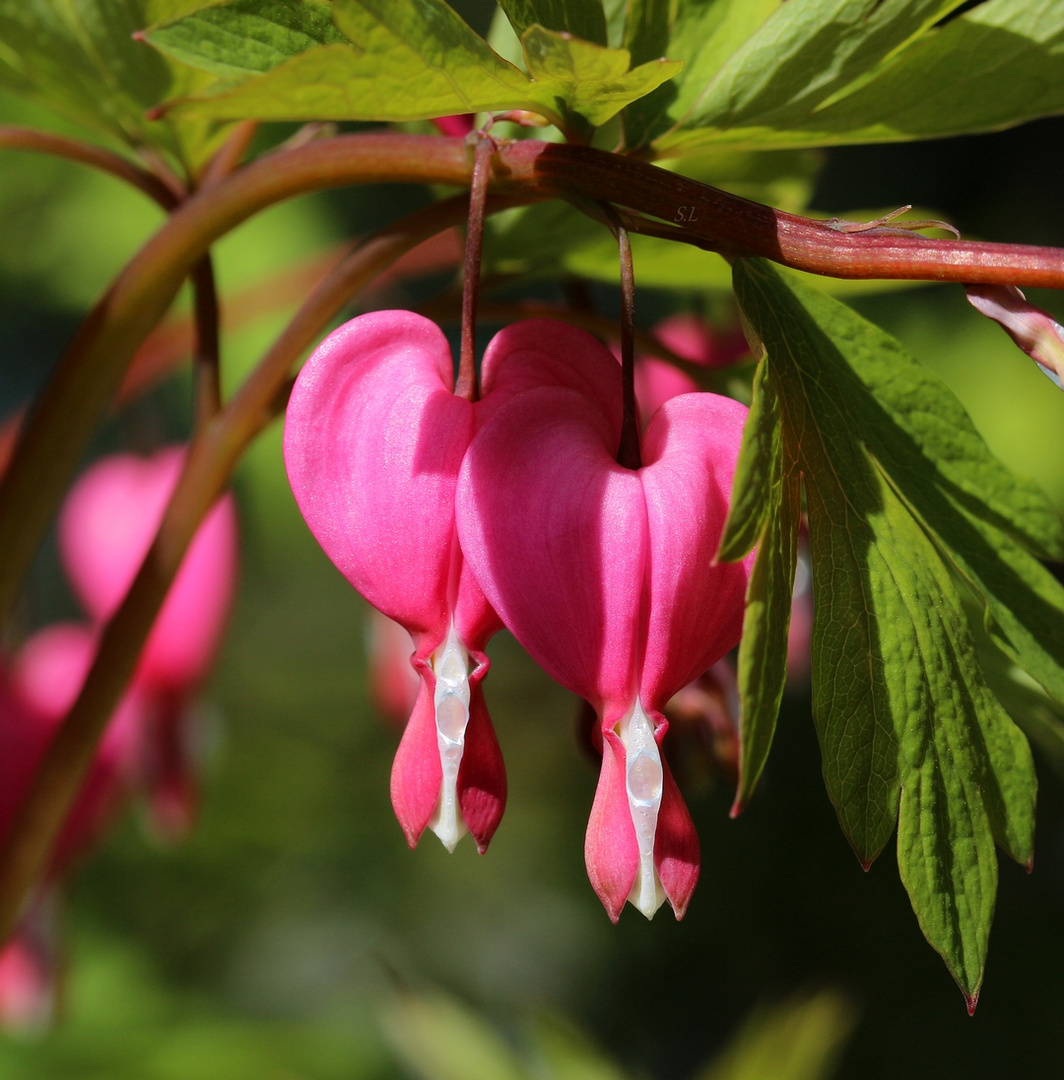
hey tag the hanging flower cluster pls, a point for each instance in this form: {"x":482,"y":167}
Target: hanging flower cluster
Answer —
{"x":456,"y":517}
{"x":105,"y":529}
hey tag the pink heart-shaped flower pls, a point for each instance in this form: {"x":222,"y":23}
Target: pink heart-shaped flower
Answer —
{"x":607,"y":577}
{"x":374,"y":440}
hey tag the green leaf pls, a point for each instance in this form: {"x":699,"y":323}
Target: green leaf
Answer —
{"x":81,"y":61}
{"x":779,"y":70}
{"x":766,"y":510}
{"x":405,"y":60}
{"x":581,"y":18}
{"x":908,"y":728}
{"x":703,"y":35}
{"x":246,"y":36}
{"x":996,"y":66}
{"x":590,"y":80}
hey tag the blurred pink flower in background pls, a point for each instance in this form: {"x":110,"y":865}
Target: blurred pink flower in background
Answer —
{"x":106,"y":527}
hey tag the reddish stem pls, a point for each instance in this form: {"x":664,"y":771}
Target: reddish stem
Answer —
{"x":467,"y":384}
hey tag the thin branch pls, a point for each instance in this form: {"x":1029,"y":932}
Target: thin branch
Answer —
{"x":628,"y":452}
{"x":206,"y":354}
{"x":87,"y":376}
{"x":43,"y":142}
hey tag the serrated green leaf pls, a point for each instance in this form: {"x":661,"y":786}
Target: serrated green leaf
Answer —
{"x":581,"y":18}
{"x":907,"y":724}
{"x":246,"y":36}
{"x":758,"y":472}
{"x":985,"y":517}
{"x":796,"y":61}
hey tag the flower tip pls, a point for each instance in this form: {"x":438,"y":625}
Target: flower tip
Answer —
{"x":971,"y":1001}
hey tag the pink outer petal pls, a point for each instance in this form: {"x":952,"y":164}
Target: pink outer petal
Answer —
{"x":373,"y":442}
{"x":555,"y":532}
{"x":482,"y":775}
{"x":543,"y":353}
{"x":106,"y":527}
{"x":611,"y":851}
{"x":696,"y":607}
{"x":416,"y":771}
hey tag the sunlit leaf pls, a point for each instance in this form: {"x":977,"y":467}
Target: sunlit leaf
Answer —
{"x":246,"y":36}
{"x":402,"y":60}
{"x":765,"y":74}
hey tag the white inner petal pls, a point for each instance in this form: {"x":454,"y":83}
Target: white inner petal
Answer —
{"x":643,"y":780}
{"x":450,"y":663}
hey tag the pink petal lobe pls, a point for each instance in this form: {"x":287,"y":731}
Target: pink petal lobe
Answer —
{"x":482,"y":775}
{"x":676,"y":851}
{"x":555,"y":532}
{"x":373,"y":441}
{"x":416,"y":771}
{"x":696,"y":607}
{"x":611,"y":851}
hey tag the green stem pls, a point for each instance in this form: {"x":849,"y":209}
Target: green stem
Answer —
{"x":208,"y":465}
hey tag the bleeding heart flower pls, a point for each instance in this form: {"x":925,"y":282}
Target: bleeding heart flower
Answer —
{"x":374,"y":439}
{"x":606,"y":576}
{"x":106,"y":527}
